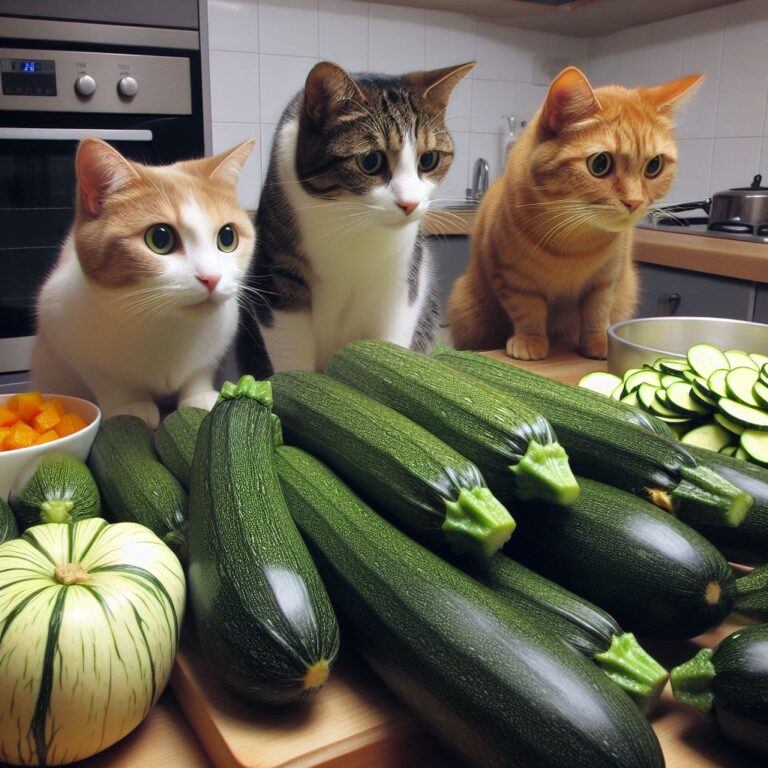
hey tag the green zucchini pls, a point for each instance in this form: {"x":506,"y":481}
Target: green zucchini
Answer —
{"x":435,"y":492}
{"x":583,"y":626}
{"x":175,"y":441}
{"x":513,"y":446}
{"x":653,"y":573}
{"x":8,"y":527}
{"x":484,"y":678}
{"x":730,"y":683}
{"x":134,"y":485}
{"x":602,"y":448}
{"x":54,"y":488}
{"x":262,"y":614}
{"x":752,"y":594}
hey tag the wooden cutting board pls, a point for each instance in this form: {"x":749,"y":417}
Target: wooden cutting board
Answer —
{"x":355,"y":723}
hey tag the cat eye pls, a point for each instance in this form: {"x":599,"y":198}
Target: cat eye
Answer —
{"x":370,"y":162}
{"x":160,"y":238}
{"x":428,"y":161}
{"x":654,"y":167}
{"x":226,"y":239}
{"x":600,"y":164}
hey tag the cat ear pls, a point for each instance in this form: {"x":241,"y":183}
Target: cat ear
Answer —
{"x":439,"y":83}
{"x":101,"y":170}
{"x":665,"y":97}
{"x":228,"y":166}
{"x":328,"y":85}
{"x":570,"y":98}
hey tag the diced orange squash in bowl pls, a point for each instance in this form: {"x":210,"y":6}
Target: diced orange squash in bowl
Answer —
{"x":30,"y":404}
{"x":21,"y":435}
{"x":69,"y":424}
{"x":47,"y":437}
{"x":7,"y":417}
{"x":13,"y":403}
{"x":28,"y":419}
{"x":46,"y":420}
{"x":57,"y":406}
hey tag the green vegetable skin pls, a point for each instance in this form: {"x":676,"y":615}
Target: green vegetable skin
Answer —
{"x":262,"y":614}
{"x":654,"y":574}
{"x":752,"y":594}
{"x":135,"y":486}
{"x":655,"y":468}
{"x":415,"y":477}
{"x":513,"y":446}
{"x":8,"y":528}
{"x":175,"y":441}
{"x":583,"y":626}
{"x":483,"y":677}
{"x":731,"y":683}
{"x":54,"y":488}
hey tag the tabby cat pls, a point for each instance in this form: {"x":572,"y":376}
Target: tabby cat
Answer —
{"x":355,"y":162}
{"x":142,"y":303}
{"x":552,"y":242}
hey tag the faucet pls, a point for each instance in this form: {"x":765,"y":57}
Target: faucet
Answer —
{"x":481,"y":177}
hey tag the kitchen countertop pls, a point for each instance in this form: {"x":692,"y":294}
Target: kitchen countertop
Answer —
{"x":711,"y":255}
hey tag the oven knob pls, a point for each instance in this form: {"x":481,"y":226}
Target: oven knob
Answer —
{"x":127,"y":86}
{"x":85,"y":85}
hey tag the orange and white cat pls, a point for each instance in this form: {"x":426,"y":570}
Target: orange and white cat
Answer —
{"x":143,"y":300}
{"x":552,"y":241}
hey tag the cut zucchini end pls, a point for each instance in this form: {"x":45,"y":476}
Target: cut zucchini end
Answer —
{"x":56,"y":511}
{"x":692,"y":681}
{"x":477,"y":522}
{"x":544,"y":473}
{"x":634,"y":670}
{"x":316,"y":675}
{"x":704,"y":497}
{"x":247,"y":386}
{"x":752,"y":595}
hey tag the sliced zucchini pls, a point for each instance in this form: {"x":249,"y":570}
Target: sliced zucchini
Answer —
{"x":751,"y":418}
{"x":689,"y":375}
{"x":716,"y":383}
{"x":739,"y":359}
{"x":703,"y":386}
{"x":710,"y":436}
{"x":706,"y":359}
{"x":618,"y":392}
{"x":741,"y":454}
{"x":755,"y":443}
{"x":668,"y":379}
{"x":727,"y":424}
{"x":739,"y":384}
{"x":729,"y":450}
{"x":673,"y":365}
{"x":646,"y":394}
{"x":679,"y":399}
{"x":764,"y":374}
{"x":631,"y":383}
{"x":758,"y":359}
{"x":631,"y":399}
{"x":661,"y":405}
{"x":702,"y":397}
{"x":600,"y":382}
{"x":760,"y":391}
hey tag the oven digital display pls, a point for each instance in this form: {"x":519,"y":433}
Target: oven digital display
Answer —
{"x":28,"y":77}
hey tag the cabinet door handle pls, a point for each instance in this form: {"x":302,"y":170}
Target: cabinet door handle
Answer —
{"x":668,"y":303}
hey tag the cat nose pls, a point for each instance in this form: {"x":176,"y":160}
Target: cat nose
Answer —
{"x":209,"y":281}
{"x":408,"y":207}
{"x":632,"y":205}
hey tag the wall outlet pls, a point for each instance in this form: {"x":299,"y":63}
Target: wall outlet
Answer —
{"x":545,"y":68}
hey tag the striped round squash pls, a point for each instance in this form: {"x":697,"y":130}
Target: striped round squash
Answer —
{"x":90,"y":615}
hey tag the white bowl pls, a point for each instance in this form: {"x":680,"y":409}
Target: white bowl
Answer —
{"x":78,"y":444}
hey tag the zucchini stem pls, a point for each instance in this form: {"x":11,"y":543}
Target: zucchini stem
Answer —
{"x":247,"y":386}
{"x":56,"y":511}
{"x":752,"y":594}
{"x":634,"y":670}
{"x":477,"y":522}
{"x":703,"y":497}
{"x":544,"y":473}
{"x":692,"y":681}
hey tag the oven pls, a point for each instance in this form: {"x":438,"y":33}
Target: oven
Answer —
{"x":139,"y":88}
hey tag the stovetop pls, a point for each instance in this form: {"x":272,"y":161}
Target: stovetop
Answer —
{"x":696,"y":225}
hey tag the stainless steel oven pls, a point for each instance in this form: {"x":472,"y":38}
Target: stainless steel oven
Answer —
{"x":138,"y":87}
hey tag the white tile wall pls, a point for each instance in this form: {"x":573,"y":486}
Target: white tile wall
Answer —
{"x":262,"y":50}
{"x":723,"y":130}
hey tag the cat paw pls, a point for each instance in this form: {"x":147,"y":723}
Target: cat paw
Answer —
{"x":527,"y":347}
{"x":146,"y":410}
{"x":595,"y":345}
{"x":205,"y":400}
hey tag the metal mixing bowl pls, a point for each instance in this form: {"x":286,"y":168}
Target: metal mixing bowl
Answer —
{"x":633,"y":343}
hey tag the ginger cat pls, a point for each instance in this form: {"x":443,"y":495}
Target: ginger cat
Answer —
{"x":552,"y":242}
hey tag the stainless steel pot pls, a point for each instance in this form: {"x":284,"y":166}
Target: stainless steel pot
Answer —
{"x":741,"y":205}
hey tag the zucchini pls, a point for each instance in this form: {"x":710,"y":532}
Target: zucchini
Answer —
{"x":485,"y":679}
{"x":752,"y":594}
{"x":755,"y":443}
{"x":739,"y":384}
{"x":435,"y":492}
{"x":54,"y":488}
{"x":653,"y":573}
{"x":602,"y":383}
{"x":743,"y":415}
{"x":261,"y":612}
{"x":135,"y":486}
{"x":737,"y":358}
{"x":583,"y":626}
{"x":603,"y":448}
{"x":175,"y":441}
{"x":731,"y":684}
{"x":706,"y":359}
{"x":710,"y":436}
{"x":513,"y":446}
{"x":8,"y":527}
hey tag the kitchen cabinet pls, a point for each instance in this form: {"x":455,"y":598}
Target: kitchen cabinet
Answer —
{"x":450,"y":256}
{"x":761,"y":305}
